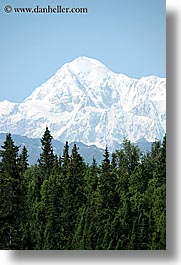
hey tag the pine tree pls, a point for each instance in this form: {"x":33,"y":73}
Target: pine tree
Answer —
{"x":10,"y":213}
{"x":31,"y":199}
{"x":85,"y":231}
{"x":65,"y":159}
{"x":106,"y":162}
{"x":163,"y":161}
{"x":22,"y":163}
{"x":106,"y":201}
{"x":130,"y":157}
{"x":114,"y":161}
{"x":73,"y":195}
{"x":53,"y":237}
{"x":46,"y":161}
{"x":23,"y":160}
{"x":91,"y":181}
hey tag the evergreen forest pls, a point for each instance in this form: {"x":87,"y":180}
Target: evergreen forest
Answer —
{"x":62,"y":203}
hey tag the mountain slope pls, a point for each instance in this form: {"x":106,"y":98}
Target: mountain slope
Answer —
{"x":86,"y":102}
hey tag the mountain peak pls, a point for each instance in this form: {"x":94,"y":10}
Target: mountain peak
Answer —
{"x":85,"y":64}
{"x":86,"y":60}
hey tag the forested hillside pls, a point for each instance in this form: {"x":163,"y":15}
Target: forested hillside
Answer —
{"x":63,"y":203}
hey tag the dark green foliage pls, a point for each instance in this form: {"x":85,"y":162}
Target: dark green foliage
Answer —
{"x":51,"y":205}
{"x":65,"y":159}
{"x":91,"y":181}
{"x":73,"y":195}
{"x":61,"y":203}
{"x":10,"y":197}
{"x":128,"y":157}
{"x":23,"y":160}
{"x":46,"y":161}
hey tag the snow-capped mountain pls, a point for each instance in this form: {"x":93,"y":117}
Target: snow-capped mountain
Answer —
{"x":86,"y":102}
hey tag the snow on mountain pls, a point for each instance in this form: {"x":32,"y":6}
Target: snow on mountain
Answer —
{"x":6,"y":108}
{"x":86,"y":102}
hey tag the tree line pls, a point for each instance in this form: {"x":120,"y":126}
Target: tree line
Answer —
{"x":64,"y":203}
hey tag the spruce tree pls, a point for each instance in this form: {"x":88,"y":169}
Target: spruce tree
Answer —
{"x":85,"y":231}
{"x":10,"y":213}
{"x":163,"y":161}
{"x":106,"y":201}
{"x":91,"y":181}
{"x":23,"y":160}
{"x":73,"y":195}
{"x":53,"y":236}
{"x":65,"y":159}
{"x":130,"y":157}
{"x":46,"y":161}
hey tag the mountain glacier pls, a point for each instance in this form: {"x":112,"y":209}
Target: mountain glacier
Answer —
{"x":86,"y":102}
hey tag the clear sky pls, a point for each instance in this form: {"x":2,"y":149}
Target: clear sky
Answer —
{"x":128,"y":36}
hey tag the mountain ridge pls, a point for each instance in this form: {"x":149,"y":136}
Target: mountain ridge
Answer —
{"x":34,"y":148}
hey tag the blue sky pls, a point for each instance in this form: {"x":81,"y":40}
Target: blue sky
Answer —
{"x":126,"y":35}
